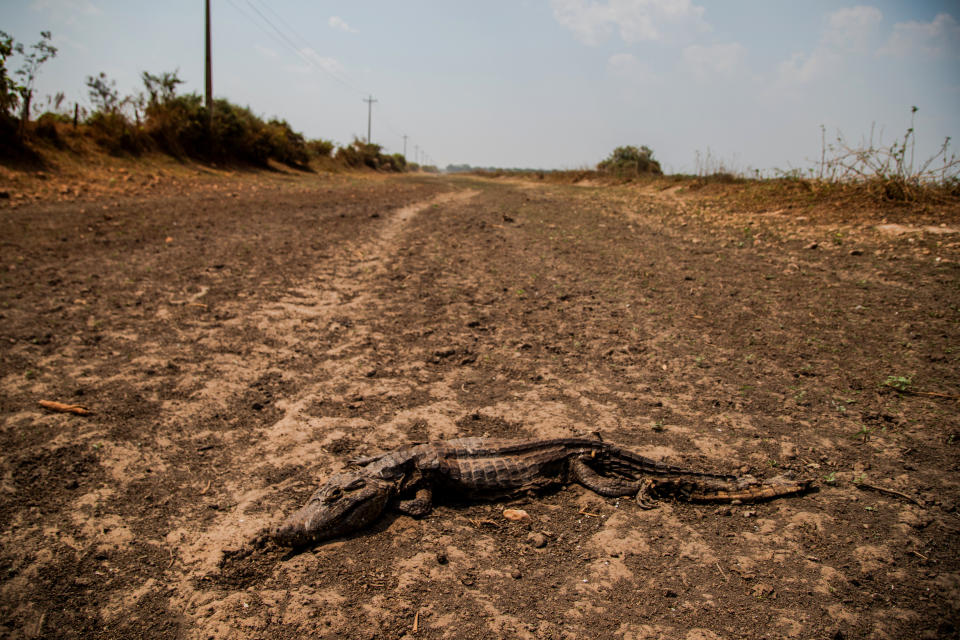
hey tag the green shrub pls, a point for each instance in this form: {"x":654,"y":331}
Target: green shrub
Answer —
{"x":46,"y":127}
{"x":360,"y":154}
{"x":113,"y":132}
{"x":630,"y":161}
{"x":321,"y":148}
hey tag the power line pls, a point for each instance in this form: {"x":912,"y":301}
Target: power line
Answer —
{"x":286,"y":39}
{"x":280,"y":37}
{"x":300,"y":53}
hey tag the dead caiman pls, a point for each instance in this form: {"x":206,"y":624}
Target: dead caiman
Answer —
{"x":405,"y":479}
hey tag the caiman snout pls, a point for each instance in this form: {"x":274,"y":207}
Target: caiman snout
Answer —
{"x":345,"y":503}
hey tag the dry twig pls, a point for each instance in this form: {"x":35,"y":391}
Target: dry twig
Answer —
{"x":930,"y":394}
{"x":889,"y":492}
{"x":64,"y":408}
{"x":720,"y":569}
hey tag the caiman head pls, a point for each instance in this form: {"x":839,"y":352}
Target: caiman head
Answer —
{"x":345,"y":503}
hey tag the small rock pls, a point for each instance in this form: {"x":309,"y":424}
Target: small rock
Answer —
{"x":537,"y":540}
{"x":516,"y":514}
{"x":749,"y":514}
{"x":670,"y":593}
{"x":762,"y":590}
{"x":441,"y":557}
{"x":515,"y":574}
{"x":723,"y":511}
{"x":812,"y":245}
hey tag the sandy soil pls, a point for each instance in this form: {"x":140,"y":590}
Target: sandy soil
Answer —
{"x":236,"y":345}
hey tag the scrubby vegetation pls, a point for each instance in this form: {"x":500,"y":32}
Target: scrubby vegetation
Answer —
{"x":630,"y":161}
{"x":158,"y":119}
{"x":362,"y":154}
{"x":890,"y":172}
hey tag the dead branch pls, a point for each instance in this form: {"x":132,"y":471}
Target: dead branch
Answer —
{"x":889,"y":492}
{"x":64,"y":408}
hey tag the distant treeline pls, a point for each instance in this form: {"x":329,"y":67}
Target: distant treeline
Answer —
{"x":624,"y":162}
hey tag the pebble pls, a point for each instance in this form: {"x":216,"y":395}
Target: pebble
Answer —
{"x":516,"y":574}
{"x":537,"y":540}
{"x":441,"y":557}
{"x":516,"y":514}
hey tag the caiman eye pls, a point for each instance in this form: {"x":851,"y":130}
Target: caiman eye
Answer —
{"x":356,"y":484}
{"x":333,"y":495}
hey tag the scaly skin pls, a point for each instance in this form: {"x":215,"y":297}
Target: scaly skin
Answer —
{"x":479,"y":466}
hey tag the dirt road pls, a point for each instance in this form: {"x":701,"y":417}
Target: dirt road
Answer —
{"x":235,"y":349}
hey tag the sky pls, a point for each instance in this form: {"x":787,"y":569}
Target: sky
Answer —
{"x":552,"y":84}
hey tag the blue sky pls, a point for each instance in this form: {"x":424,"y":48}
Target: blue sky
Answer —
{"x":538,"y":83}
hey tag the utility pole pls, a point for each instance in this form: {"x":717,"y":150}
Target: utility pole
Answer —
{"x":404,"y":147}
{"x":209,"y":71}
{"x":416,"y":153}
{"x":369,"y":102}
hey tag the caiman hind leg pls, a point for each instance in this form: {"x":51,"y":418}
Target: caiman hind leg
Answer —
{"x":643,"y":490}
{"x":612,"y":487}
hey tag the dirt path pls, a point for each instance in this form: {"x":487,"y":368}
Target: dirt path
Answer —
{"x":236,"y":351}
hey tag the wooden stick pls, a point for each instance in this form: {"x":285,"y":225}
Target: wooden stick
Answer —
{"x":64,"y":408}
{"x":933,"y":394}
{"x":926,"y":394}
{"x":416,"y":622}
{"x":889,"y":492}
{"x":721,"y":571}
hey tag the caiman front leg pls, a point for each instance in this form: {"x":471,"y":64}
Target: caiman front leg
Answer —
{"x":422,"y":501}
{"x":418,"y":506}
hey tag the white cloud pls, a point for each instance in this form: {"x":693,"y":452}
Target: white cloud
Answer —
{"x":266,"y":52}
{"x":939,"y":37}
{"x":66,"y":8}
{"x":849,"y":29}
{"x":713,"y":60}
{"x":336,"y":22}
{"x":628,"y":66}
{"x":592,"y":22}
{"x":801,"y":69}
{"x":330,"y":65}
{"x":847,"y":32}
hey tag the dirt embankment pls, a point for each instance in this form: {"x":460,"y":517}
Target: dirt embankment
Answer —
{"x":236,"y":345}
